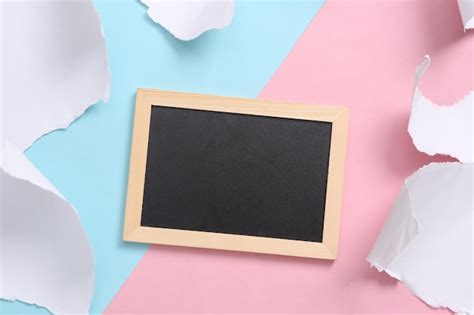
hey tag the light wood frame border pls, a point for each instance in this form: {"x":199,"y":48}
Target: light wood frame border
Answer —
{"x":133,"y":231}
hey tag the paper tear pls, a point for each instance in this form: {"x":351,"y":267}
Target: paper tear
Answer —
{"x":54,"y":66}
{"x":466,"y":8}
{"x":187,"y":20}
{"x":435,"y":260}
{"x":427,"y":241}
{"x":438,"y":129}
{"x":46,"y":258}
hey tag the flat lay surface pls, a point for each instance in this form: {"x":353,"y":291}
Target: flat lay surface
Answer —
{"x":358,"y":54}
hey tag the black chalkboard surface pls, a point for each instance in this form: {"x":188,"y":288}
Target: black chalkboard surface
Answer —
{"x":237,"y":174}
{"x":208,"y":172}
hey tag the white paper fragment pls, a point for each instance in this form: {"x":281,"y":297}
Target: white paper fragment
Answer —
{"x":438,"y":129}
{"x":399,"y":229}
{"x":466,"y":7}
{"x":45,"y":255}
{"x":54,"y":65}
{"x":188,"y":19}
{"x":427,"y":242}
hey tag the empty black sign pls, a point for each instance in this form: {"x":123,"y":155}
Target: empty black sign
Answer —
{"x":236,"y":174}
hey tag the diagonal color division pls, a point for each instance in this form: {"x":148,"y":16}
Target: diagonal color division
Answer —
{"x":359,"y":54}
{"x":88,"y":162}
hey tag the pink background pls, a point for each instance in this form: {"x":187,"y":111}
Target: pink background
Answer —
{"x":360,"y":54}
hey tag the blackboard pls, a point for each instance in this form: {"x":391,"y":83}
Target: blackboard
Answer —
{"x":236,"y":174}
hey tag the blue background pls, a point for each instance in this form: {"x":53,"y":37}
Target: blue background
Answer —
{"x":88,"y":162}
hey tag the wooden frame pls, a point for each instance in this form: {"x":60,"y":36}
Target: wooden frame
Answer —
{"x":133,"y":231}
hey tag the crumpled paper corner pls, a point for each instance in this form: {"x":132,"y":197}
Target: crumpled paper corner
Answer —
{"x":46,"y":257}
{"x":187,"y":20}
{"x":427,"y":240}
{"x":54,"y":66}
{"x":399,"y":229}
{"x":466,"y":8}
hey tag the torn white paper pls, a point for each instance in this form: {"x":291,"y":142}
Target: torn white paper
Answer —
{"x":46,"y":258}
{"x":54,"y":66}
{"x":426,"y":242}
{"x":187,"y":20}
{"x":438,"y":129}
{"x":466,"y":8}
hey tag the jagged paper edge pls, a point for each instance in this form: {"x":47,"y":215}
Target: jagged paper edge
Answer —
{"x":402,"y":219}
{"x":58,"y":87}
{"x":447,"y":130}
{"x":70,"y":291}
{"x":209,"y":15}
{"x":46,"y":257}
{"x":390,"y":246}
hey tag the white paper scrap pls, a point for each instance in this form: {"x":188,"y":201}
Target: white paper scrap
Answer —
{"x":54,"y":65}
{"x":188,"y":19}
{"x":46,"y":258}
{"x":427,"y":242}
{"x":466,"y":7}
{"x":438,"y":129}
